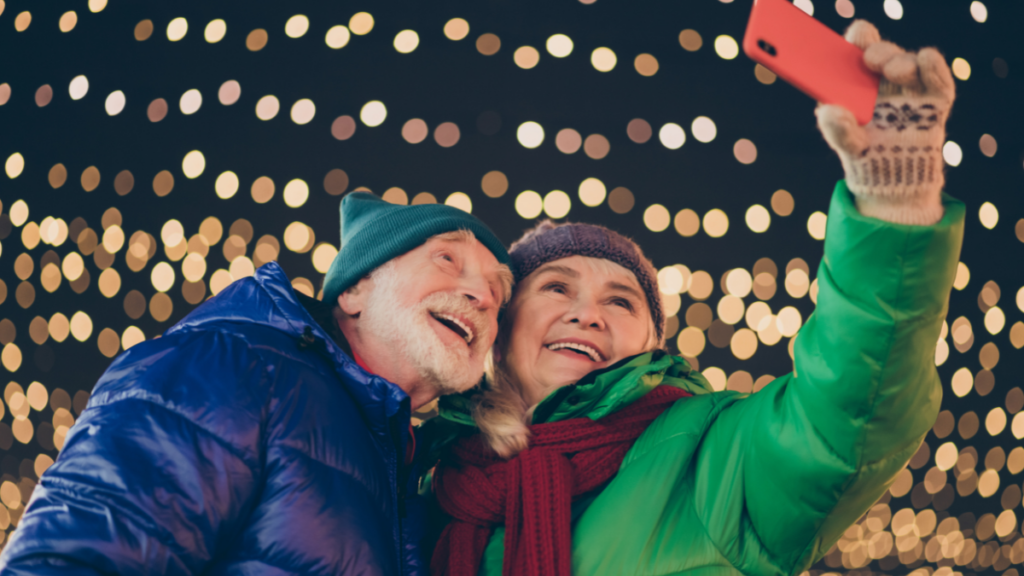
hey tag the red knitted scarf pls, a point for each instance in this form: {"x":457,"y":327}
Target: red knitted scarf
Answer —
{"x":532,"y":493}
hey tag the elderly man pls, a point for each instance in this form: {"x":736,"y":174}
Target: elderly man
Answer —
{"x":267,"y":432}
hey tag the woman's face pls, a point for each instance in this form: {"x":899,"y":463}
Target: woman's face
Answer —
{"x":570,"y":317}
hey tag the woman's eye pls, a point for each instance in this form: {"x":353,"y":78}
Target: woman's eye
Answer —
{"x":555,"y":287}
{"x":623,"y":303}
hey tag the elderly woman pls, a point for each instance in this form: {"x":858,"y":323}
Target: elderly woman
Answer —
{"x":593,"y":452}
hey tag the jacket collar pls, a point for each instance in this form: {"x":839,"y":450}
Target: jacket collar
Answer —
{"x":267,"y":299}
{"x":600,"y":393}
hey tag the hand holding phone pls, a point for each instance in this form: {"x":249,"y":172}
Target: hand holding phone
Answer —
{"x":811,"y":57}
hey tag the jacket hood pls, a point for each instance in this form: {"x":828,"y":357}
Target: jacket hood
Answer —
{"x":267,"y":299}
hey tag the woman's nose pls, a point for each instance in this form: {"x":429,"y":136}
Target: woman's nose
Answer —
{"x":586,"y":313}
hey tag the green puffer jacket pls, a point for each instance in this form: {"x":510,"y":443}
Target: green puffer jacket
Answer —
{"x":764,"y":484}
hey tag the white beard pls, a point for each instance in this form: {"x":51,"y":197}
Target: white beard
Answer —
{"x":407,"y":331}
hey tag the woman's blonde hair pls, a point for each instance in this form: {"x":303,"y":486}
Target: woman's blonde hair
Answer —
{"x":500,"y":410}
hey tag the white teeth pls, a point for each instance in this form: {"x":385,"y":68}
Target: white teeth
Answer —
{"x":594,"y":354}
{"x":469,"y":331}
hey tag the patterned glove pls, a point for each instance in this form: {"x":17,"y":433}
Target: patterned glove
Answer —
{"x":894,"y":165}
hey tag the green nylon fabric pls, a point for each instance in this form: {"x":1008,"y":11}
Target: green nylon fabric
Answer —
{"x":764,"y":484}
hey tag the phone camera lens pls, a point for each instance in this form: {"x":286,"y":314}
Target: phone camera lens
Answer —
{"x":766,"y":47}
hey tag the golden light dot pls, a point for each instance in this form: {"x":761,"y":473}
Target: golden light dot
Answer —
{"x":131,"y":336}
{"x":646,"y":65}
{"x":989,"y":215}
{"x":730,"y":309}
{"x":337,"y":37}
{"x":406,"y":41}
{"x":193,"y":267}
{"x":988,"y":483}
{"x":415,"y":131}
{"x":22,"y":21}
{"x":176,"y":29}
{"x":764,"y":75}
{"x":446,"y":134}
{"x":456,"y":29}
{"x":108,"y":342}
{"x":361,"y":23}
{"x":690,"y":40}
{"x":395,"y":195}
{"x":460,"y":200}
{"x":529,"y":204}
{"x":995,"y":422}
{"x":10,"y":495}
{"x":296,"y":193}
{"x":592,"y":192}
{"x":488,"y":44}
{"x":946,"y":456}
{"x":701,"y":285}
{"x":193,"y":164}
{"x":789,"y":321}
{"x":226,"y":185}
{"x":14,"y":166}
{"x":743,"y":343}
{"x":603,"y":59}
{"x":961,"y":69}
{"x":963,"y":276}
{"x":262,"y":190}
{"x":726,"y":47}
{"x":995,"y":320}
{"x":10,"y":357}
{"x":296,"y":236}
{"x":58,"y":327}
{"x":596,"y":146}
{"x":1018,"y":426}
{"x":143,"y":30}
{"x":988,"y":145}
{"x":229,"y":92}
{"x":559,"y":45}
{"x":716,"y":223}
{"x":41,"y":464}
{"x":978,"y":11}
{"x":172,"y":233}
{"x":671,"y":280}
{"x":962,"y":382}
{"x":758,"y":219}
{"x":109,"y":282}
{"x":190,"y":102}
{"x":303,"y":285}
{"x":162,"y":277}
{"x":267,"y":107}
{"x":256,"y":40}
{"x":639,"y":130}
{"x":952,"y":153}
{"x":215,"y":31}
{"x":373,"y":113}
{"x":296,"y":26}
{"x":745,"y":151}
{"x":716,"y":377}
{"x":739,"y":283}
{"x":220,"y":280}
{"x":703,"y":129}
{"x":530,"y":134}
{"x":672,"y":136}
{"x":568,"y":141}
{"x":657,"y":218}
{"x":81,"y":326}
{"x":556,"y":204}
{"x":113,"y":239}
{"x":691,"y":341}
{"x":49,"y":277}
{"x":816,"y":225}
{"x":241,"y":267}
{"x":30,"y":235}
{"x":68,"y":21}
{"x":526,"y":57}
{"x":323,"y":256}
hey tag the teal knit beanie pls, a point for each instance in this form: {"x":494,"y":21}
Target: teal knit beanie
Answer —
{"x":374,"y":231}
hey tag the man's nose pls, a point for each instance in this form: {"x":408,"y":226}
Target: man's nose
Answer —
{"x":477,"y":290}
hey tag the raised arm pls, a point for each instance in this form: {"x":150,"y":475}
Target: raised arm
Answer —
{"x":155,"y":474}
{"x":815,"y":449}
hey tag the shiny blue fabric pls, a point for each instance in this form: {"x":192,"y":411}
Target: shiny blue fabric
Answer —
{"x":244,"y":441}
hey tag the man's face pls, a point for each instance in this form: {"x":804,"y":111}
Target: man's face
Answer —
{"x":436,"y":307}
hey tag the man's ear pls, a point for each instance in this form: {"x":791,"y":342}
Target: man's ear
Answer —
{"x":353,"y":301}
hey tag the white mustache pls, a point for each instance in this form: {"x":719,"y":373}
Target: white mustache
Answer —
{"x":451,"y":303}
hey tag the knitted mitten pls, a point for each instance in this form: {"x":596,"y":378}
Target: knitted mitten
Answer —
{"x":894,"y":165}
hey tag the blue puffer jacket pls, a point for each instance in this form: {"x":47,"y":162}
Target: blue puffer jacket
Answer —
{"x":243,"y":442}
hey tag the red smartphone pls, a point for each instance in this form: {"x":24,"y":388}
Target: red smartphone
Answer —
{"x":811,"y":56}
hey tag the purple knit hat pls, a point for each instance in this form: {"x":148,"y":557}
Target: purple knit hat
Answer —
{"x":548,"y":241}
